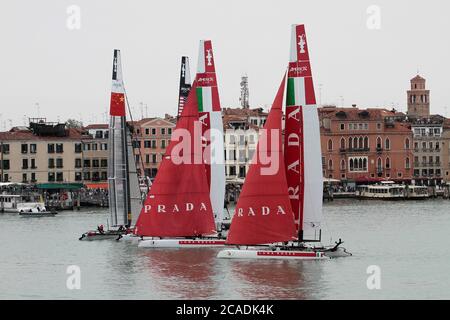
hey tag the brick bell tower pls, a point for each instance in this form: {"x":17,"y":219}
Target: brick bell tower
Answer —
{"x":418,"y":98}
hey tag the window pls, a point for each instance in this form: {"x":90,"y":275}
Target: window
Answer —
{"x":342,"y":164}
{"x":378,"y":126}
{"x":33,"y":164}
{"x":24,"y":177}
{"x":95,"y":163}
{"x":51,"y":163}
{"x":5,"y":165}
{"x":163,"y":144}
{"x":87,"y":176}
{"x":379,"y":165}
{"x":232,"y":171}
{"x":241,"y":155}
{"x":77,"y":176}
{"x":350,"y":126}
{"x":153,"y":144}
{"x":78,"y":163}
{"x":232,"y":154}
{"x":33,"y":177}
{"x":147,"y":144}
{"x":407,"y":163}
{"x":4,"y":148}
{"x":24,"y":163}
{"x":99,"y":134}
{"x":106,"y":134}
{"x":169,"y":131}
{"x":342,"y":143}
{"x":147,"y":158}
{"x":94,"y":147}
{"x":51,"y":176}
{"x":241,"y":140}
{"x":342,"y":126}
{"x":33,"y":148}
{"x":388,"y":144}
{"x":350,"y":143}
{"x":59,"y":176}
{"x":232,"y":139}
{"x":87,"y":147}
{"x":163,"y":130}
{"x":59,"y":148}
{"x":379,"y":146}
{"x":104,"y":163}
{"x":388,"y":163}
{"x":360,"y":143}
{"x":407,"y":143}
{"x":438,"y":160}
{"x":330,"y":164}
{"x":437,"y":146}
{"x":59,"y":163}
{"x":251,"y":153}
{"x":153,"y":131}
{"x":24,"y":148}
{"x":77,"y":147}
{"x":104,"y":175}
{"x":154,"y":158}
{"x":366,"y":143}
{"x":330,"y":144}
{"x":87,"y":163}
{"x":147,"y":131}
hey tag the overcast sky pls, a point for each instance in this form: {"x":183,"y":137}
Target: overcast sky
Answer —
{"x":68,"y":72}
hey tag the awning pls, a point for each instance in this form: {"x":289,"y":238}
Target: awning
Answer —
{"x":330,"y":180}
{"x":65,"y":186}
{"x":96,"y":185}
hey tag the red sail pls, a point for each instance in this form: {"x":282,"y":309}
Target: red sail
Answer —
{"x":263,"y":213}
{"x":178,"y":203}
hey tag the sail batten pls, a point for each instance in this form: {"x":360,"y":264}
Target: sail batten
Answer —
{"x":263,"y":213}
{"x":302,"y":140}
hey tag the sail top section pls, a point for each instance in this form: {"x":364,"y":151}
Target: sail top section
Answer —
{"x":117,"y":106}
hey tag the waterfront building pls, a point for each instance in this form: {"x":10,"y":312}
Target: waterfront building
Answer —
{"x":151,"y":138}
{"x":430,"y":150}
{"x":241,"y":126}
{"x":365,"y":145}
{"x":95,"y":155}
{"x":43,"y":152}
{"x":446,"y":151}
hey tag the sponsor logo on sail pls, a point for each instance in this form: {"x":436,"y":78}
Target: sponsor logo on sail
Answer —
{"x":176,"y":208}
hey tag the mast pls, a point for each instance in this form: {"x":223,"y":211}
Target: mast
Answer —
{"x":210,"y":115}
{"x":185,"y":84}
{"x":178,"y":204}
{"x":263,"y":213}
{"x":118,"y":166}
{"x":302,"y":141}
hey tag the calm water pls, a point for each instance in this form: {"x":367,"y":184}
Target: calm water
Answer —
{"x":409,"y":241}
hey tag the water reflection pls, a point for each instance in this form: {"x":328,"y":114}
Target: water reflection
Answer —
{"x":182,"y":273}
{"x":276,"y":279}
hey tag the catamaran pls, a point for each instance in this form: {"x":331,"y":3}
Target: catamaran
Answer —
{"x":178,"y":211}
{"x":284,"y":221}
{"x":123,"y":183}
{"x":185,"y":205}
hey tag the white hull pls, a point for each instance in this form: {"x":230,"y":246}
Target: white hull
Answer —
{"x":271,"y":254}
{"x":181,"y":243}
{"x":132,"y":238}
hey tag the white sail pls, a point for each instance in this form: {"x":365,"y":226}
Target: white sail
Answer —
{"x":119,"y":200}
{"x":133,"y":178}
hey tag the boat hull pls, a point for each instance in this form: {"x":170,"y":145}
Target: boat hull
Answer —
{"x":271,"y":254}
{"x":181,"y":243}
{"x":91,"y":236}
{"x":37,"y":214}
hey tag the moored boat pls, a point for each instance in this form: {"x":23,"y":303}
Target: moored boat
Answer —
{"x":386,"y":190}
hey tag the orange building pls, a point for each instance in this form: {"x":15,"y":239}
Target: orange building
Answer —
{"x":153,"y":137}
{"x":365,"y":145}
